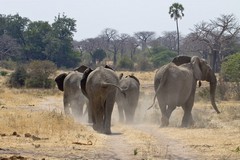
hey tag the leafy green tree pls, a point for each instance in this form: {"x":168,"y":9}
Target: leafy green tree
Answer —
{"x":161,"y":56}
{"x":230,"y":71}
{"x":176,"y":12}
{"x":59,"y":43}
{"x":15,"y":27}
{"x":35,"y":38}
{"x":98,"y":55}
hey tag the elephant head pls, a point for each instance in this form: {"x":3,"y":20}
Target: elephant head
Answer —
{"x":202,"y":71}
{"x":60,"y":78}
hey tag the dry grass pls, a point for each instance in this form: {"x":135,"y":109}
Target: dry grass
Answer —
{"x":22,"y":111}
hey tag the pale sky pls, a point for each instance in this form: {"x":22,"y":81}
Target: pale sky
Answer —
{"x":126,"y":16}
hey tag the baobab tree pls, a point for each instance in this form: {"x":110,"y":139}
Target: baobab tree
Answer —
{"x":176,"y":12}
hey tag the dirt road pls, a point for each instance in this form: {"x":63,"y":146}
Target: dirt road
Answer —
{"x":141,"y":141}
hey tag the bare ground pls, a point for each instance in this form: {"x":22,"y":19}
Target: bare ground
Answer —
{"x":213,"y":138}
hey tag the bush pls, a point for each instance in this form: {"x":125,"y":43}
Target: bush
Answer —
{"x":230,"y":71}
{"x":17,"y":78}
{"x":3,"y":73}
{"x":125,"y":63}
{"x":39,"y":73}
{"x":144,"y":64}
{"x":11,"y":65}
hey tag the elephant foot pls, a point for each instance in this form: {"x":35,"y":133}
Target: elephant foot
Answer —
{"x":164,"y":122}
{"x":108,"y":132}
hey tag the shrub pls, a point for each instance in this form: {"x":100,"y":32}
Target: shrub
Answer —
{"x":144,"y":64}
{"x":18,"y":77}
{"x":3,"y":73}
{"x":39,"y":73}
{"x":125,"y":63}
{"x":230,"y":71}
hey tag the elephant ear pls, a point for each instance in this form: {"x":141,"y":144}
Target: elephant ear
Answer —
{"x":197,"y":72}
{"x":120,"y":76}
{"x":84,"y":80}
{"x":81,"y":69}
{"x":107,"y":66}
{"x":179,"y":60}
{"x":132,"y":76}
{"x":59,"y":80}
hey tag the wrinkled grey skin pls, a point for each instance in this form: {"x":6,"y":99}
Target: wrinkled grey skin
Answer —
{"x":175,"y":85}
{"x":73,"y":98}
{"x":100,"y":86}
{"x":127,"y":103}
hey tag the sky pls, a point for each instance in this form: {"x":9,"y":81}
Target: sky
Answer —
{"x":125,"y":16}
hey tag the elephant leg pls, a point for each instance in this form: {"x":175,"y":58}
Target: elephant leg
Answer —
{"x":66,"y":105}
{"x":98,"y":114}
{"x":164,"y":119}
{"x":120,"y":110}
{"x":169,"y":111}
{"x":108,"y":113}
{"x":129,"y":112}
{"x":89,"y":112}
{"x":187,"y":117}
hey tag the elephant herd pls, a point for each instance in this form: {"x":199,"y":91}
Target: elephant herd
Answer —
{"x":174,"y":84}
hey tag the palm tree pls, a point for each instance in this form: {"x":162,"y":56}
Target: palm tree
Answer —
{"x":176,"y":12}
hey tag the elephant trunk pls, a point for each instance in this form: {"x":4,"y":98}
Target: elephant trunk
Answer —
{"x":213,"y":85}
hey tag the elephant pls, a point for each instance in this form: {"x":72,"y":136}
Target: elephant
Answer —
{"x":127,"y":102}
{"x":100,"y":86}
{"x":73,"y":97}
{"x":175,"y":85}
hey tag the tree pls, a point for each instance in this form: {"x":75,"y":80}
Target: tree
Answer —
{"x":98,"y":55}
{"x":15,"y":27}
{"x":9,"y":48}
{"x":35,"y":37}
{"x":218,"y":34}
{"x":59,"y":47}
{"x":176,"y":12}
{"x":144,"y":37}
{"x":161,"y":56}
{"x":230,"y":71}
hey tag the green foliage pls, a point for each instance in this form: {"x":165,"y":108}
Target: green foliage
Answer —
{"x":39,"y":73}
{"x":18,"y":77}
{"x":161,"y":56}
{"x":144,"y":64}
{"x":125,"y":63}
{"x":230,"y":71}
{"x":3,"y":73}
{"x":231,"y":67}
{"x":98,"y":55}
{"x":35,"y":38}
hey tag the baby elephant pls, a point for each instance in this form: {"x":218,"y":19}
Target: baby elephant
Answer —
{"x":128,"y":103}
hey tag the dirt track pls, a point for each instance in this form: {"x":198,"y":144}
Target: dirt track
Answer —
{"x":142,"y":140}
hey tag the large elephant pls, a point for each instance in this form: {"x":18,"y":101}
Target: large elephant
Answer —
{"x":127,"y":102}
{"x":100,"y":86}
{"x":73,"y":98}
{"x":175,"y":85}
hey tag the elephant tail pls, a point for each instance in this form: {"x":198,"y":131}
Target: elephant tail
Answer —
{"x":161,"y":82}
{"x":105,"y":84}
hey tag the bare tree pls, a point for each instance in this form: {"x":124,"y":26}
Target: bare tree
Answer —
{"x":8,"y":47}
{"x":144,"y":37}
{"x":113,"y":42}
{"x":217,"y":34}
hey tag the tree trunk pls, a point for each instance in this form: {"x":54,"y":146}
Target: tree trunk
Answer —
{"x":177,"y":37}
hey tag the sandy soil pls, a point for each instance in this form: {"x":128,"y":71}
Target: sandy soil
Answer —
{"x":214,"y":139}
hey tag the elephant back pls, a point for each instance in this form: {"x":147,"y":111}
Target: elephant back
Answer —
{"x":179,"y":60}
